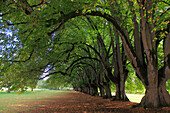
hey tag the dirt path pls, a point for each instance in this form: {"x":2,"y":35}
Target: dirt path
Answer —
{"x":76,"y":102}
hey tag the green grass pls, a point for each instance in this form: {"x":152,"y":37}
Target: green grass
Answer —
{"x":135,"y":97}
{"x":13,"y":102}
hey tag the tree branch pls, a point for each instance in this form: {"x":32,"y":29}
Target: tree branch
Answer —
{"x":31,"y":54}
{"x":29,"y":8}
{"x":79,"y":59}
{"x":21,"y":7}
{"x":42,"y":2}
{"x":52,"y":73}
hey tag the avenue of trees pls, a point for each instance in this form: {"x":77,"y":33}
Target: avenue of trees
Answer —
{"x":90,"y":43}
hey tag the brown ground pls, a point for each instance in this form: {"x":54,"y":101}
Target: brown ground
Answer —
{"x":76,"y":102}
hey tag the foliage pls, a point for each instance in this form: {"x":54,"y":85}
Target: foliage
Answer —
{"x":76,"y":42}
{"x":168,"y":85}
{"x":58,"y":82}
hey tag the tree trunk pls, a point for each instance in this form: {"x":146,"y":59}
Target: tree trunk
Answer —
{"x":156,"y":93}
{"x":94,"y":91}
{"x":86,"y":90}
{"x":101,"y":91}
{"x":32,"y":89}
{"x":120,"y":91}
{"x":117,"y":97}
{"x":90,"y":91}
{"x":107,"y":91}
{"x":164,"y":96}
{"x":156,"y":96}
{"x":151,"y":98}
{"x":122,"y":75}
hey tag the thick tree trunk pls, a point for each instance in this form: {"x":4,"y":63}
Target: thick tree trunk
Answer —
{"x":164,"y":96}
{"x":151,"y":98}
{"x":93,"y":90}
{"x":107,"y":91}
{"x":156,"y":94}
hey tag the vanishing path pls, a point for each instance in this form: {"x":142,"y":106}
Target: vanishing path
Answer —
{"x":76,"y":102}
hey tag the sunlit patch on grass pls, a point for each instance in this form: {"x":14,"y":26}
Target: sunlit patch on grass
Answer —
{"x":13,"y":102}
{"x":20,"y":105}
{"x":135,"y":97}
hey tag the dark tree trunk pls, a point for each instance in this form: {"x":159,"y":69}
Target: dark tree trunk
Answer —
{"x":122,"y":73}
{"x":120,"y":92}
{"x":107,"y":91}
{"x":93,"y":90}
{"x":117,"y":97}
{"x":101,"y":91}
{"x":86,"y":90}
{"x":156,"y":96}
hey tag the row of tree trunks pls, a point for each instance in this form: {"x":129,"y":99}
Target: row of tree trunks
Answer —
{"x":153,"y":79}
{"x":120,"y":71}
{"x":105,"y":76}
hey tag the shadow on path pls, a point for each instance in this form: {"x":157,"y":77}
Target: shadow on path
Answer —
{"x":77,"y":102}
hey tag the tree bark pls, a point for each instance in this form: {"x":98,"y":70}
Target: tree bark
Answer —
{"x":101,"y":91}
{"x":120,"y":91}
{"x":94,"y":91}
{"x":156,"y":96}
{"x":151,"y":98}
{"x":107,"y":90}
{"x":120,"y":73}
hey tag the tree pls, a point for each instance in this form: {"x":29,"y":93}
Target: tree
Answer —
{"x":40,"y":25}
{"x":146,"y":66}
{"x":58,"y":81}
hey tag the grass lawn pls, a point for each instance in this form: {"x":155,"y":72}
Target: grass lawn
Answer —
{"x":135,"y":97}
{"x":13,"y":102}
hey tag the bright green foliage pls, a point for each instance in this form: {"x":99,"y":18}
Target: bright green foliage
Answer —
{"x":134,"y":85}
{"x":168,"y":85}
{"x":58,"y":82}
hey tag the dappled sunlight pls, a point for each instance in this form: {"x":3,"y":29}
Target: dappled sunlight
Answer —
{"x":77,"y":101}
{"x":20,"y":105}
{"x":72,"y":101}
{"x":135,"y":97}
{"x":27,"y":100}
